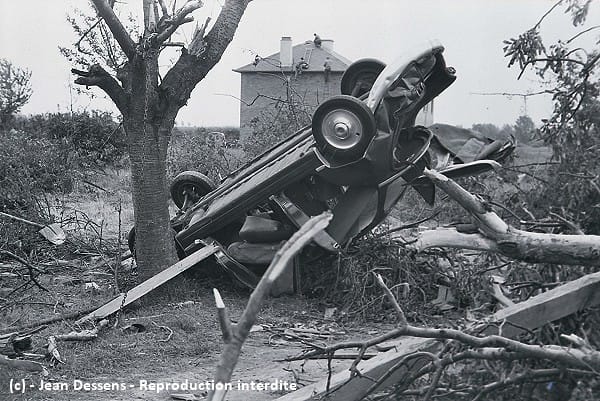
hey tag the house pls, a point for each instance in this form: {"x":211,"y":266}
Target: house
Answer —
{"x":296,"y":75}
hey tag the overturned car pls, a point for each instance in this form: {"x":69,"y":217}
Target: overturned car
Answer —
{"x":359,"y":156}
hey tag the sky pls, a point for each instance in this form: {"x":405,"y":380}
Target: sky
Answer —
{"x":472,"y":32}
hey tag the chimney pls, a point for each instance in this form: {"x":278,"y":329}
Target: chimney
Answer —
{"x":285,"y":53}
{"x":327,"y":44}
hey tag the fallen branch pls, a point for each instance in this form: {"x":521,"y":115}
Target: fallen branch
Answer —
{"x":284,"y":255}
{"x":29,"y":266}
{"x":527,"y":377}
{"x":224,"y":321}
{"x":388,"y":293}
{"x":496,"y":236}
{"x":42,"y":323}
{"x":20,"y":364}
{"x":84,"y":335}
{"x":168,"y":329}
{"x":53,"y":350}
{"x":405,"y":363}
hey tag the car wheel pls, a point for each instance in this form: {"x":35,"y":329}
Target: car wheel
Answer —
{"x":343,"y":127}
{"x":131,"y":241}
{"x":188,"y":187}
{"x":360,"y":76}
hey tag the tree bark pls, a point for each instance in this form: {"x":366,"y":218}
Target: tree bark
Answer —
{"x":148,"y":136}
{"x":496,"y":236}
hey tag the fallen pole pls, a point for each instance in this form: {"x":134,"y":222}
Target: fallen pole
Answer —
{"x":150,"y":284}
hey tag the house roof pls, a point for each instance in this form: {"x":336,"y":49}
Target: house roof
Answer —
{"x":313,"y":55}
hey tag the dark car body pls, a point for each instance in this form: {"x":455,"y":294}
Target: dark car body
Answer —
{"x":357,"y":159}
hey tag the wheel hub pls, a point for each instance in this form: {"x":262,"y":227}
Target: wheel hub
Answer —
{"x":342,"y":131}
{"x":342,"y":128}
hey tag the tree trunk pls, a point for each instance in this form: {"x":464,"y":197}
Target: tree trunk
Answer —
{"x":148,"y":139}
{"x":149,"y":109}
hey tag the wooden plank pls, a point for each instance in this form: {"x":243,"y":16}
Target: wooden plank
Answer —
{"x":355,"y":388}
{"x":150,"y":284}
{"x":549,"y":306}
{"x":528,"y":315}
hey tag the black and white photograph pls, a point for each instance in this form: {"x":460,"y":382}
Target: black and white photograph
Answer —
{"x":337,"y":200}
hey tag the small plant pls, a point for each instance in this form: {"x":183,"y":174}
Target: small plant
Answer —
{"x":15,"y":90}
{"x":208,"y":152}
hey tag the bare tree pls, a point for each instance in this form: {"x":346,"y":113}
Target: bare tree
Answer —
{"x":15,"y":89}
{"x":149,"y":104}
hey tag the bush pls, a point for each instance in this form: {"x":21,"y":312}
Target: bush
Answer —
{"x":29,"y":167}
{"x":204,"y":151}
{"x":44,"y":154}
{"x":93,"y":138}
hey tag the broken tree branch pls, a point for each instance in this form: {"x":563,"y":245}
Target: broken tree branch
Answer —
{"x":388,"y":293}
{"x":19,"y":364}
{"x":224,"y":321}
{"x":84,"y":335}
{"x":284,"y":255}
{"x":488,"y":221}
{"x":98,"y":76}
{"x":30,"y":268}
{"x":180,"y":17}
{"x":44,"y":322}
{"x":497,"y":236}
{"x":106,"y":12}
{"x":197,"y":43}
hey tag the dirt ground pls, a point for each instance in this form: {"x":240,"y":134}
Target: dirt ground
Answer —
{"x":181,"y":341}
{"x":180,"y":344}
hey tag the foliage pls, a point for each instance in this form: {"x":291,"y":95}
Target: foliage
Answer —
{"x":524,"y":129}
{"x":28,"y":169}
{"x":573,"y":129}
{"x":44,"y":154}
{"x":204,"y":150}
{"x":88,"y":140}
{"x":15,"y":89}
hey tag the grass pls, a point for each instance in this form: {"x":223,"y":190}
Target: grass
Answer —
{"x":100,"y":199}
{"x":182,"y":337}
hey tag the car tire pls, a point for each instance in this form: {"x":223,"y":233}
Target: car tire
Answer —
{"x":360,"y":76}
{"x":188,"y":187}
{"x":131,"y":241}
{"x":343,"y":127}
